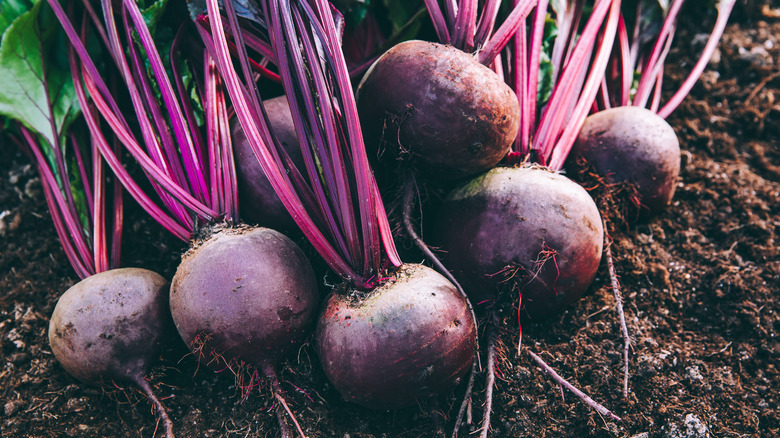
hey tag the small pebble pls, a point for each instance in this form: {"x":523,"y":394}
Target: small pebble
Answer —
{"x":10,"y":408}
{"x":691,"y":427}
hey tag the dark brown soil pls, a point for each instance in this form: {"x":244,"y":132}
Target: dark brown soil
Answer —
{"x":699,"y":282}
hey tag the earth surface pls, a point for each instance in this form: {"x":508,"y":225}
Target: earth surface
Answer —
{"x":699,"y":282}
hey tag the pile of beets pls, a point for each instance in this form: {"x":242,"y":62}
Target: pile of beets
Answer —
{"x":494,"y":140}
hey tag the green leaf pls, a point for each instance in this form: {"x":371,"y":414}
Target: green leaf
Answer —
{"x":10,"y":10}
{"x":544,"y":84}
{"x":36,"y":88}
{"x":399,"y":13}
{"x":354,"y":11}
{"x":152,"y":12}
{"x":189,"y":83}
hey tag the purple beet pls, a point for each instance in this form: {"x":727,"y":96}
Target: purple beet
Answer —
{"x":109,"y":327}
{"x":244,"y":295}
{"x":525,"y":230}
{"x":438,"y":107}
{"x":243,"y":299}
{"x":259,"y":202}
{"x":634,"y":145}
{"x":410,"y":337}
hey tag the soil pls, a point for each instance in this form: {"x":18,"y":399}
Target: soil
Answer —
{"x":699,"y":282}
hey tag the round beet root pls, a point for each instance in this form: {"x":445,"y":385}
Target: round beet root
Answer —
{"x":109,"y":326}
{"x":522,"y":229}
{"x":244,"y":295}
{"x":439,"y":107}
{"x":634,"y":145}
{"x":410,"y":337}
{"x":259,"y":202}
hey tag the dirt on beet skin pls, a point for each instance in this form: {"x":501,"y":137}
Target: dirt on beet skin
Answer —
{"x":699,"y":282}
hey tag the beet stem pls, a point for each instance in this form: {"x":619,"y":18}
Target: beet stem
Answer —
{"x":162,"y":413}
{"x":618,"y":304}
{"x":490,"y":379}
{"x":563,"y":382}
{"x":270,"y":373}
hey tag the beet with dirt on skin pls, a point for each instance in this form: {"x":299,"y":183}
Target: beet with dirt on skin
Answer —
{"x":244,"y":295}
{"x":409,"y":338}
{"x":438,"y":107}
{"x":526,"y":230}
{"x":109,"y":325}
{"x":634,"y":145}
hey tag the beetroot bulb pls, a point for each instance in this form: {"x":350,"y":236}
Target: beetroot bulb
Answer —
{"x":259,"y":202}
{"x":94,"y":341}
{"x":410,"y":337}
{"x":525,"y":230}
{"x":631,"y":145}
{"x":244,"y":296}
{"x":109,"y":327}
{"x":441,"y":106}
{"x":437,"y":107}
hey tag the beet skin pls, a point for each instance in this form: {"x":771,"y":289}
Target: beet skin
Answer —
{"x":438,"y":107}
{"x":634,"y":145}
{"x":410,"y":337}
{"x":259,"y":202}
{"x":521,"y":230}
{"x":109,"y":326}
{"x":245,"y":295}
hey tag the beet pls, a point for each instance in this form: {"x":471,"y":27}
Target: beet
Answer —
{"x":109,"y":327}
{"x":438,"y":107}
{"x":634,"y":145}
{"x":410,"y":337}
{"x":525,"y":229}
{"x":244,"y":295}
{"x":259,"y":202}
